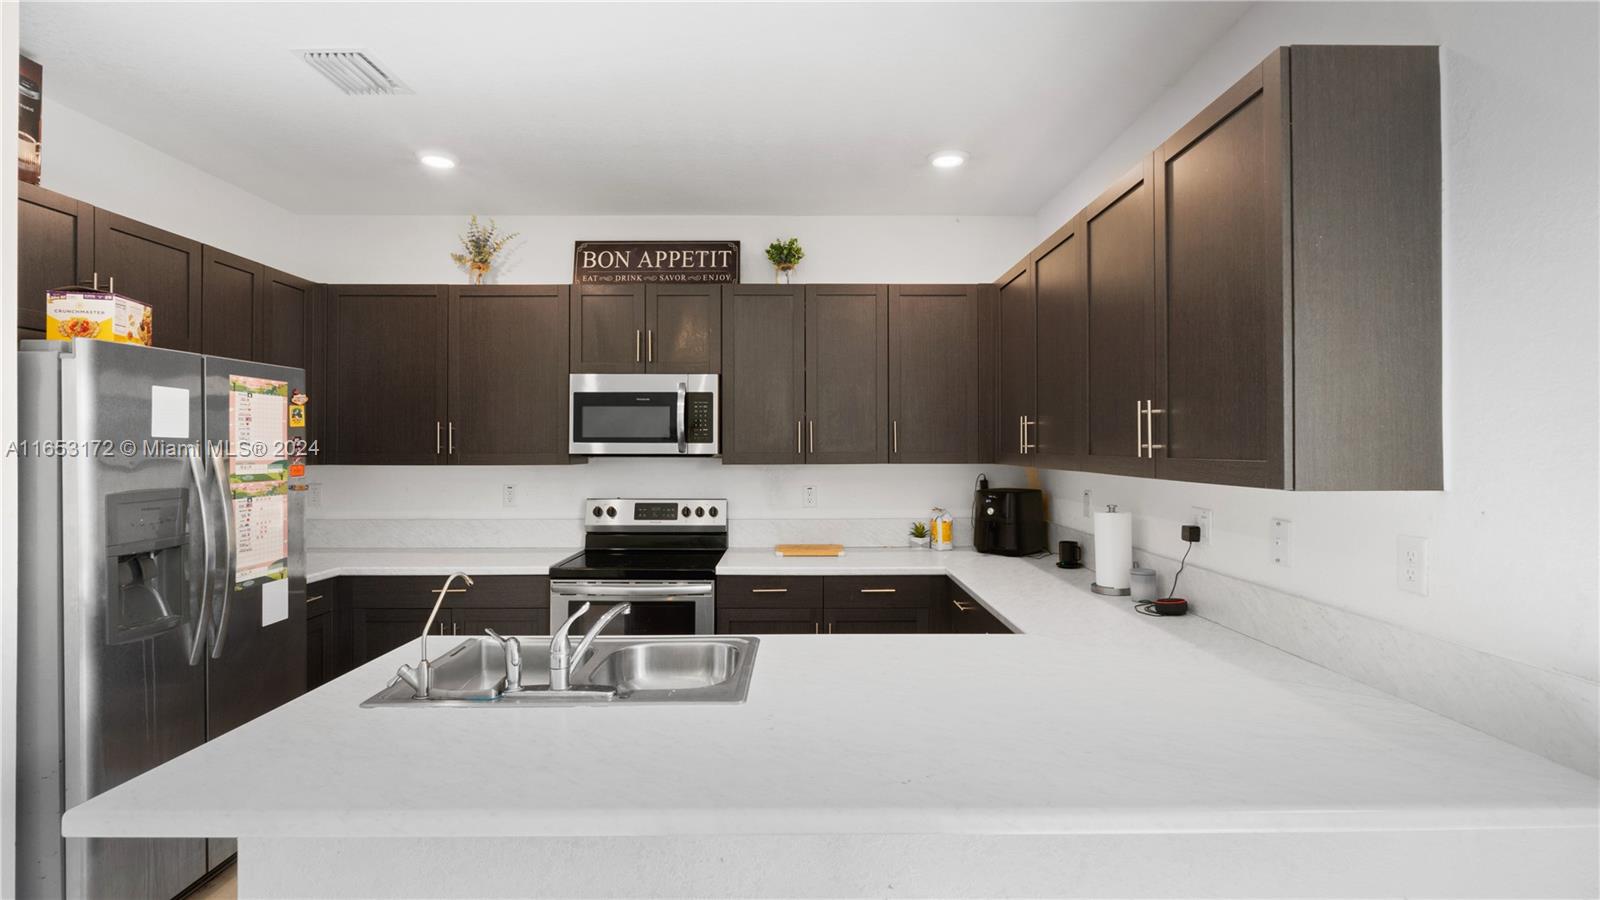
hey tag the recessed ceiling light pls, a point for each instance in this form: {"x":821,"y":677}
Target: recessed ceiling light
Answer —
{"x":436,"y":160}
{"x":948,"y":159}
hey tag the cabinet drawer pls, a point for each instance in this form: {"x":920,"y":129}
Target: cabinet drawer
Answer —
{"x":764,"y":591}
{"x":968,"y":616}
{"x":487,"y":591}
{"x":883,"y":591}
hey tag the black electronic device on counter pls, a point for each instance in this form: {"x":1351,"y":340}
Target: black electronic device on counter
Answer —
{"x":1008,"y":521}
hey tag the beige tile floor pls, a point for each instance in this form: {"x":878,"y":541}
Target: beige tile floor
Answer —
{"x":223,"y":886}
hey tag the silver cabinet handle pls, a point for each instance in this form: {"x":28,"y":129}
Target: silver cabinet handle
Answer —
{"x":438,"y":437}
{"x":799,"y":441}
{"x":650,"y":345}
{"x":769,"y":590}
{"x":1025,"y":423}
{"x":877,"y":590}
{"x":1021,"y":439}
{"x":894,"y":428}
{"x":452,"y":433}
{"x":811,"y":435}
{"x":314,"y":599}
{"x":1138,"y":429}
{"x":816,"y":628}
{"x":636,"y":334}
{"x":830,"y":628}
{"x":1150,"y":427}
{"x":964,"y":607}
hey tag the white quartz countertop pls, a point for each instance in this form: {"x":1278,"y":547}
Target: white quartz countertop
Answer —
{"x":1096,"y":720}
{"x":322,"y":564}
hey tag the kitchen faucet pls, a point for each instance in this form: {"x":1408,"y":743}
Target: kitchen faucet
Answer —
{"x":562,"y":665}
{"x":419,"y":678}
{"x":513,"y":652}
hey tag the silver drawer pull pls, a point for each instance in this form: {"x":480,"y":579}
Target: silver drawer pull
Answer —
{"x":964,"y":607}
{"x":450,"y":591}
{"x":314,"y":599}
{"x":769,"y":590}
{"x":877,"y":590}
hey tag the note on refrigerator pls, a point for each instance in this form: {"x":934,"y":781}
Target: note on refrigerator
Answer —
{"x":169,"y":412}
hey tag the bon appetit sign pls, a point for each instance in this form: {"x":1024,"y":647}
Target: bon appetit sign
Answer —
{"x":684,"y":262}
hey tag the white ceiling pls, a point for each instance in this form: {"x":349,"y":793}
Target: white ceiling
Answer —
{"x":593,"y":108}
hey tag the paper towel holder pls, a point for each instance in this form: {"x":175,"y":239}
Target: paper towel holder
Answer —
{"x":1099,"y":588}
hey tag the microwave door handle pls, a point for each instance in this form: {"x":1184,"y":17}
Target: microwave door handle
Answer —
{"x":197,"y":474}
{"x":683,"y":402}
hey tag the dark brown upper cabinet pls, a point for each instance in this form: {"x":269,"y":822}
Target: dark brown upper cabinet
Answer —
{"x":55,"y":248}
{"x":763,"y":374}
{"x":291,"y":330}
{"x":1118,"y":232}
{"x":388,"y":373}
{"x":934,"y":387}
{"x":1016,"y":335}
{"x":683,"y":328}
{"x":847,"y":374}
{"x":1297,"y":325}
{"x":157,"y":268}
{"x":231,"y":289}
{"x":1061,"y":293}
{"x":607,"y":325}
{"x":508,"y":375}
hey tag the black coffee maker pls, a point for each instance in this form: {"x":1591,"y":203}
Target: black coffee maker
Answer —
{"x":1008,"y":521}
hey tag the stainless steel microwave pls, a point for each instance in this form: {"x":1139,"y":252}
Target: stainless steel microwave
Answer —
{"x":644,"y":415}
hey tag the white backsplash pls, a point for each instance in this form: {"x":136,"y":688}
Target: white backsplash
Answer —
{"x":487,"y":534}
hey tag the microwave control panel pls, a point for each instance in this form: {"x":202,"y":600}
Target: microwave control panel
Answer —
{"x":698,"y":418}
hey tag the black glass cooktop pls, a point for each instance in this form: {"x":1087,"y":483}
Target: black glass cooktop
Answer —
{"x":639,"y":564}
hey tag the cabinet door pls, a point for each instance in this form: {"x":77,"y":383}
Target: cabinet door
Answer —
{"x":156,"y":268}
{"x":683,"y":328}
{"x":770,"y":620}
{"x":1220,"y":296}
{"x":508,"y":621}
{"x":882,"y":605}
{"x":508,"y":375}
{"x":1016,"y":365}
{"x":763,"y":373}
{"x":323,"y":657}
{"x":1063,"y":320}
{"x":55,"y":248}
{"x":290,"y":331}
{"x":934,"y":415}
{"x":231,"y":289}
{"x":1118,"y":232}
{"x":607,"y":328}
{"x":378,"y":629}
{"x":389,"y":380}
{"x":769,"y":605}
{"x":847,"y":374}
{"x":879,"y":620}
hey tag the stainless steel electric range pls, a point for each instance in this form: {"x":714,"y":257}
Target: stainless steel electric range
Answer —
{"x":660,"y":555}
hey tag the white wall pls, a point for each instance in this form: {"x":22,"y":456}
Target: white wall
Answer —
{"x":8,"y":463}
{"x":1512,"y":539}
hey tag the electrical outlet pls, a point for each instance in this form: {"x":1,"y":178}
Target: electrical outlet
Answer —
{"x":1088,"y":506}
{"x":1411,"y":564}
{"x":508,"y":495}
{"x":1202,"y":517}
{"x":808,"y":495}
{"x":1280,"y":541}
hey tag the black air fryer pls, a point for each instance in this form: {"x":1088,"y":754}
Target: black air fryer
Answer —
{"x":1008,"y":521}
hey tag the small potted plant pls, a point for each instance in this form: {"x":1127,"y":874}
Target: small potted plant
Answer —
{"x":784,"y":256}
{"x":481,"y":243}
{"x":919,"y":535}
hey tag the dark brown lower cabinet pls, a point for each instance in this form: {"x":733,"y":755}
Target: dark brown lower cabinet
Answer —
{"x":965,"y":615}
{"x":385,"y":612}
{"x":837,"y":604}
{"x":324,"y":661}
{"x":767,"y":605}
{"x":882,"y":604}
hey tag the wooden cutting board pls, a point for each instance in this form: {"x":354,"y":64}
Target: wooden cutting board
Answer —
{"x":810,"y":549}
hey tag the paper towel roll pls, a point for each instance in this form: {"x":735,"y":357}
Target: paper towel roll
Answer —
{"x":1113,"y":551}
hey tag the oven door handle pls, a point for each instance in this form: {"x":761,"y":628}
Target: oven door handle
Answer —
{"x":683,"y":403}
{"x":633,"y":590}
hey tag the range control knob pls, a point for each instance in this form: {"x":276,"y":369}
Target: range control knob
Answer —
{"x":713,"y":512}
{"x":686,"y":512}
{"x":598,"y":512}
{"x":611,"y":511}
{"x":699,"y":510}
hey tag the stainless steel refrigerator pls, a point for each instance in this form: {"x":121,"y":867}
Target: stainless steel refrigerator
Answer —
{"x":161,"y":596}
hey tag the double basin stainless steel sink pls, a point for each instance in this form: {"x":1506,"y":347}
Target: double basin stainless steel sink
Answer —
{"x":690,"y":669}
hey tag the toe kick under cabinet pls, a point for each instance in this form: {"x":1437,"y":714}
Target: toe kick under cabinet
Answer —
{"x":849,"y":604}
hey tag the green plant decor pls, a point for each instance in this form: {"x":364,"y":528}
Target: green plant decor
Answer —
{"x":481,"y":243}
{"x":784,"y":256}
{"x":919,"y":530}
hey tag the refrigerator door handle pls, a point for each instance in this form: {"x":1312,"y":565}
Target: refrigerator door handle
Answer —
{"x":197,"y":473}
{"x":231,"y":552}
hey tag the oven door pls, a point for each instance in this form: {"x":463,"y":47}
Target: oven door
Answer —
{"x":658,"y":607}
{"x":643,"y":415}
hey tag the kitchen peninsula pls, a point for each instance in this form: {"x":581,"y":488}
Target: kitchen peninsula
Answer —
{"x":908,"y":764}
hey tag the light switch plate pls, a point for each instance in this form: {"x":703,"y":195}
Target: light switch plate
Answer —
{"x":1411,"y":564}
{"x":1088,"y":507}
{"x":1279,"y":542}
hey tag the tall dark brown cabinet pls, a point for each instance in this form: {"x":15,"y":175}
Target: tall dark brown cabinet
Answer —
{"x":508,"y":374}
{"x":159,"y":269}
{"x":291,"y":330}
{"x":847,"y":374}
{"x":1062,"y":307}
{"x":55,"y":248}
{"x":388,"y":373}
{"x":935,"y":401}
{"x":1016,"y":336}
{"x":646,"y":328}
{"x":763,"y":374}
{"x":231,"y":291}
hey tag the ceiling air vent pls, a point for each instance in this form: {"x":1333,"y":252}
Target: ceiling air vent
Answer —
{"x":354,"y":72}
